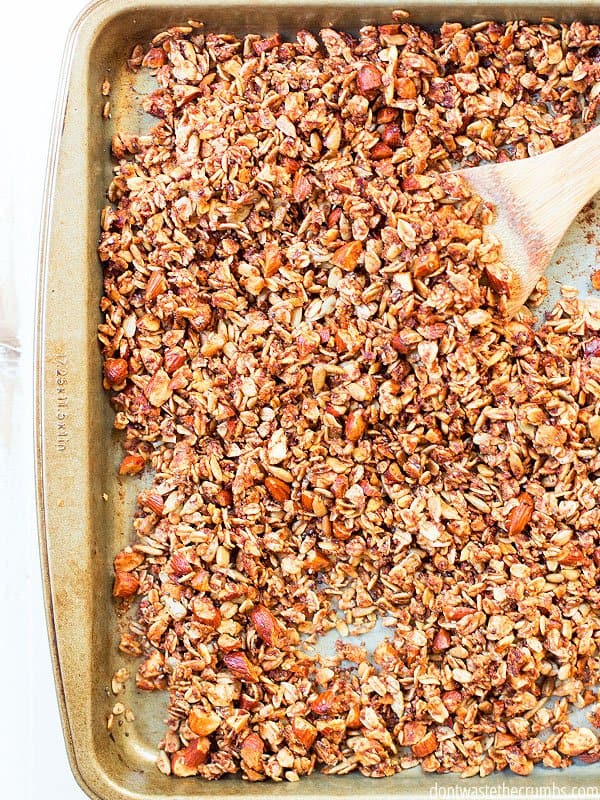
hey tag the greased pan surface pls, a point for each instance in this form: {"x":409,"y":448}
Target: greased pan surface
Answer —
{"x":84,"y":510}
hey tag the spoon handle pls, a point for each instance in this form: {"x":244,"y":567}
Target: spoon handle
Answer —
{"x":571,"y":174}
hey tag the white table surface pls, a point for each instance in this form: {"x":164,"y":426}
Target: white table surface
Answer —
{"x":32,"y":754}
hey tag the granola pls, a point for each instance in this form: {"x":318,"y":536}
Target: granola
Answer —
{"x":304,"y":339}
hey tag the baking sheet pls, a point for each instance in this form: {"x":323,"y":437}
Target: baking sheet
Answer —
{"x":85,"y":511}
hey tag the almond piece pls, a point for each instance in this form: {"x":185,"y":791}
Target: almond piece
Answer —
{"x":369,"y":80}
{"x":500,"y":278}
{"x":202,"y":317}
{"x":156,"y":285}
{"x":594,"y":427}
{"x":266,"y":626}
{"x":425,"y":746}
{"x":185,"y":762}
{"x":116,"y":371}
{"x":441,"y":641}
{"x":174,"y":358}
{"x":306,"y":500}
{"x":153,"y":501}
{"x":240,"y":667}
{"x":385,"y":115}
{"x":577,"y":741}
{"x":125,"y":584}
{"x":180,"y":565}
{"x":413,"y":732}
{"x":340,"y":531}
{"x":392,"y":135}
{"x":355,"y":425}
{"x":251,"y":752}
{"x":154,"y":58}
{"x":520,"y":516}
{"x":317,"y":561}
{"x":571,"y":556}
{"x":452,"y":699}
{"x":127,"y":560}
{"x":324,"y":703}
{"x":346,"y":257}
{"x":304,"y":733}
{"x":405,"y":88}
{"x":278,"y":489}
{"x":202,"y":722}
{"x":273,"y":259}
{"x":301,"y":187}
{"x":334,"y":217}
{"x":158,"y":389}
{"x":426,"y":264}
{"x":200,"y":582}
{"x":264,"y":45}
{"x":132,"y":464}
{"x":381,"y":151}
{"x":205,"y":612}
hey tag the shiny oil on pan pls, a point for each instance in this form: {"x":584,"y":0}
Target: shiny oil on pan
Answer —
{"x":84,"y":510}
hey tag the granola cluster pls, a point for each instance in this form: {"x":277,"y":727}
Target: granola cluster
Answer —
{"x":304,"y":339}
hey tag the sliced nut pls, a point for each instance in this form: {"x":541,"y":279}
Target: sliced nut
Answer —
{"x":427,"y":745}
{"x":500,"y":278}
{"x":441,"y":641}
{"x":180,"y":565}
{"x":158,"y":390}
{"x":301,"y":187}
{"x":521,"y":514}
{"x":251,"y":752}
{"x":205,"y":611}
{"x":174,"y":358}
{"x":240,"y":667}
{"x":304,"y":733}
{"x":355,"y":425}
{"x":125,"y":584}
{"x":325,"y":703}
{"x":369,"y":80}
{"x":577,"y":741}
{"x":156,"y":285}
{"x":154,"y":58}
{"x":127,"y":560}
{"x":185,"y":762}
{"x":267,"y":44}
{"x":278,"y":489}
{"x":153,"y":501}
{"x":203,"y":723}
{"x":132,"y":464}
{"x":266,"y":626}
{"x":346,"y":257}
{"x":392,"y":135}
{"x":413,"y":732}
{"x":380,"y":151}
{"x":116,"y":371}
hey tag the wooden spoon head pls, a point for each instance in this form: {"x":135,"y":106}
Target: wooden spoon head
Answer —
{"x":525,"y":246}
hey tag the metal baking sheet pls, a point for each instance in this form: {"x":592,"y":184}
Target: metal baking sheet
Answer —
{"x":84,"y":510}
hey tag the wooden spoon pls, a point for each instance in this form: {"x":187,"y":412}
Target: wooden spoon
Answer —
{"x":535,"y":201}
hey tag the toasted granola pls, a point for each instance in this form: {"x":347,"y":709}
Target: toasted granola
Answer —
{"x":304,"y":339}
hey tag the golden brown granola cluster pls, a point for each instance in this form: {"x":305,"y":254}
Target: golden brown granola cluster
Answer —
{"x":303,"y":337}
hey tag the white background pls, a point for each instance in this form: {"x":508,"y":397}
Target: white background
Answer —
{"x":33,"y":763}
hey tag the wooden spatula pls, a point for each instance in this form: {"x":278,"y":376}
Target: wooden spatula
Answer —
{"x":535,"y":201}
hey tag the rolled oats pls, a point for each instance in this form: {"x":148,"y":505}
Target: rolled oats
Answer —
{"x":304,"y":338}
